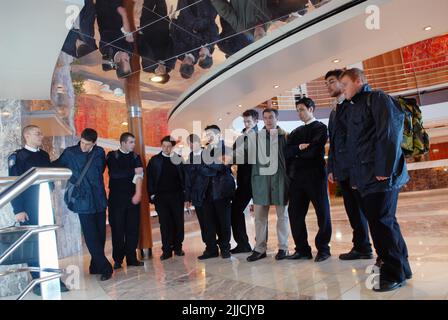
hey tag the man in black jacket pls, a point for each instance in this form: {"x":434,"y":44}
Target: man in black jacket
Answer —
{"x":125,"y":187}
{"x":243,"y":193}
{"x":378,"y":172}
{"x":306,"y":167}
{"x":220,"y":188}
{"x":194,"y":33}
{"x":339,"y":164}
{"x":26,"y":205}
{"x":166,"y":190}
{"x":116,"y":38}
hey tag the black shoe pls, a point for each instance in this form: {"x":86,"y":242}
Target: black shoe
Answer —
{"x":179,"y":253}
{"x":356,"y":255}
{"x":256,"y":256}
{"x":386,"y":286}
{"x":135,"y":263}
{"x":93,"y":271}
{"x":208,"y":255}
{"x":106,"y":276}
{"x":117,"y":265}
{"x":225,"y":254}
{"x":281,"y":254}
{"x":166,"y":256}
{"x":408,"y":276}
{"x":322,"y":257}
{"x":241,"y":249}
{"x":299,"y":256}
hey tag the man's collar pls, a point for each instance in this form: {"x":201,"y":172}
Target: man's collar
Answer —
{"x":124,"y":152}
{"x":167,"y":156}
{"x":313,"y":119}
{"x":27,"y":147}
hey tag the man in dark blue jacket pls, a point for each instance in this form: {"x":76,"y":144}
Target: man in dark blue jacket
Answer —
{"x":220,"y":188}
{"x":166,"y":190}
{"x":339,"y":164}
{"x":378,"y":172}
{"x":90,"y":197}
{"x":26,"y":205}
{"x":194,"y":33}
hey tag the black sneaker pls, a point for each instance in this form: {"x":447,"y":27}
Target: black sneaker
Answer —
{"x":281,"y":254}
{"x":356,"y":255}
{"x":166,"y":256}
{"x":208,"y":255}
{"x":225,"y":254}
{"x":256,"y":256}
{"x":241,"y":249}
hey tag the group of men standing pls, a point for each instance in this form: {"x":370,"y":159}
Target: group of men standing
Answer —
{"x":275,"y":168}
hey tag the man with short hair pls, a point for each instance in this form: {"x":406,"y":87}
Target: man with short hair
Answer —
{"x":26,"y":205}
{"x":378,"y":172}
{"x":339,"y":164}
{"x":125,"y":192}
{"x":166,"y":188}
{"x":88,"y":197}
{"x":306,"y":168}
{"x":243,"y":192}
{"x":270,"y":188}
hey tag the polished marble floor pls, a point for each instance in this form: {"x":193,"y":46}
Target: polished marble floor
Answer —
{"x":423,"y":217}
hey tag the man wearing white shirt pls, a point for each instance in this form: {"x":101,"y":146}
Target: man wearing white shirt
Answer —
{"x":306,"y":169}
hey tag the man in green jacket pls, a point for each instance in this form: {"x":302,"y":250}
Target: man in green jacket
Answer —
{"x":269,"y":184}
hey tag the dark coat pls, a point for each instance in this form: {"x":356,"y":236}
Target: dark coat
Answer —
{"x":92,"y":185}
{"x":154,"y":171}
{"x":244,"y":174}
{"x":339,"y":161}
{"x":211,"y":176}
{"x":374,"y":133}
{"x":194,"y":27}
{"x":195,"y":183}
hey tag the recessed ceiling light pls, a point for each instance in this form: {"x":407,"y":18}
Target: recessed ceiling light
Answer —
{"x":240,"y":106}
{"x":336,"y":61}
{"x":124,"y":123}
{"x":427,"y":28}
{"x":157,"y":79}
{"x":220,"y":119}
{"x":276,"y":86}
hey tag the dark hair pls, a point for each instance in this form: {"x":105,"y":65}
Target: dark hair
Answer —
{"x":268,"y":110}
{"x":334,"y":73}
{"x":120,"y":70}
{"x":206,"y":63}
{"x":125,"y":136}
{"x":355,"y":74}
{"x":168,"y":139}
{"x":89,"y":134}
{"x":307,"y":102}
{"x":212,"y":127}
{"x":251,"y":113}
{"x":193,"y":138}
{"x":186,"y":70}
{"x":165,"y":78}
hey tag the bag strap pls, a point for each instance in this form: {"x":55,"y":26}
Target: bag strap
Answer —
{"x":86,"y":167}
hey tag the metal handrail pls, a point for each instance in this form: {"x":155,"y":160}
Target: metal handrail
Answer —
{"x":30,"y":230}
{"x":29,"y":178}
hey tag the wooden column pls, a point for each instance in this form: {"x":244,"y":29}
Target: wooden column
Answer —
{"x":135,"y":121}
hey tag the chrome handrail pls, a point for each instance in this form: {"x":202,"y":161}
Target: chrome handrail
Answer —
{"x":30,"y":230}
{"x":29,"y":178}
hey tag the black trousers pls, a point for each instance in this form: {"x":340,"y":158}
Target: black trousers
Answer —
{"x":201,"y":219}
{"x":93,"y":227}
{"x":380,"y":209}
{"x":217,"y":224}
{"x":124,"y":219}
{"x":301,"y":193}
{"x":242,"y":197}
{"x":357,"y":218}
{"x":170,"y":209}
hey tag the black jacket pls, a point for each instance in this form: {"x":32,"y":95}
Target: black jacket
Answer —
{"x":195,"y":183}
{"x":194,"y":27}
{"x":374,"y":134}
{"x":310,"y":162}
{"x":244,"y":175}
{"x":339,"y":161}
{"x":154,"y":170}
{"x":210,"y":178}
